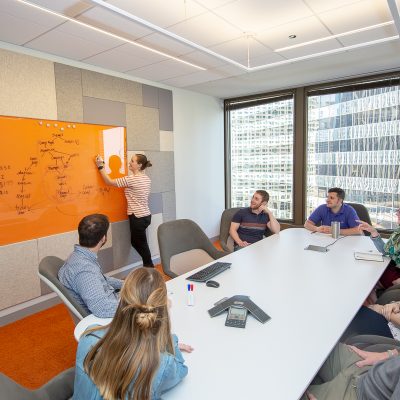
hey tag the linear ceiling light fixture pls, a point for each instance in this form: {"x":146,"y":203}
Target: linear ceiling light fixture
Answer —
{"x":196,"y":46}
{"x":323,"y":39}
{"x":132,"y":42}
{"x":392,"y":6}
{"x":164,"y":32}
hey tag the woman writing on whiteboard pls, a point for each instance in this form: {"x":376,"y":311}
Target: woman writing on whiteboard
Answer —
{"x":137,"y":190}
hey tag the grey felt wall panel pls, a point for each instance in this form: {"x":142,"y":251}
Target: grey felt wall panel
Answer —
{"x":150,"y":96}
{"x":156,"y":203}
{"x":111,"y":88}
{"x":123,"y":252}
{"x":165,"y":106}
{"x":162,"y":172}
{"x":68,"y":93}
{"x":169,"y":206}
{"x":143,"y":130}
{"x":107,"y":112}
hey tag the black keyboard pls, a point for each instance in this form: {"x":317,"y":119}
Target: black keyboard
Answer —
{"x":208,"y":272}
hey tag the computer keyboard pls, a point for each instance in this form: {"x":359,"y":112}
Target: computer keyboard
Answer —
{"x":208,"y":272}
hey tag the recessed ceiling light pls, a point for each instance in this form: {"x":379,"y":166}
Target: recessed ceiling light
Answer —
{"x":323,"y":39}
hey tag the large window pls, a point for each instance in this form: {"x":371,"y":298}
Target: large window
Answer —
{"x":261,"y":152}
{"x":354,"y":143}
{"x":298,"y":144}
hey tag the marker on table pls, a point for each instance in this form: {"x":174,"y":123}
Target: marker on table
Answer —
{"x":190,"y":299}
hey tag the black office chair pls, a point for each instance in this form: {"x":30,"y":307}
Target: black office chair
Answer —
{"x":48,"y":273}
{"x":362,"y":213}
{"x":373,"y":342}
{"x":60,"y":387}
{"x":184,"y":247}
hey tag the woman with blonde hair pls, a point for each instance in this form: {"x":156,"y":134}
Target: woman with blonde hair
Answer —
{"x":135,"y":357}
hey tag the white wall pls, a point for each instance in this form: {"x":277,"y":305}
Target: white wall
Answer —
{"x":199,"y":159}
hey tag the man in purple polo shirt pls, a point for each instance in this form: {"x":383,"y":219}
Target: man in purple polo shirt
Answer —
{"x":248,"y":224}
{"x":334,"y":210}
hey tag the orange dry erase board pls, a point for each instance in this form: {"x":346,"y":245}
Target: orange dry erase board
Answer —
{"x":48,"y":178}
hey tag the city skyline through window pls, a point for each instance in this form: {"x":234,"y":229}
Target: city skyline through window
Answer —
{"x":262,"y":155}
{"x":354,"y":143}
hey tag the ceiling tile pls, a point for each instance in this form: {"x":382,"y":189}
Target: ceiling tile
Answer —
{"x":165,"y":44}
{"x":159,"y":12}
{"x":65,"y":45}
{"x":18,"y":30}
{"x":163,"y":70}
{"x":321,"y":6}
{"x":71,"y":8}
{"x":193,"y":79}
{"x":202,"y":30}
{"x":212,"y":4}
{"x":114,"y":23}
{"x":305,"y":29}
{"x":237,"y":49}
{"x":88,"y":34}
{"x":31,"y":14}
{"x":264,"y":59}
{"x":203,"y":59}
{"x":257,"y":15}
{"x":124,"y":58}
{"x":368,"y":12}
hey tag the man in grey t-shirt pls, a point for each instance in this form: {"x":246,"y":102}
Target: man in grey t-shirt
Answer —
{"x":353,"y":374}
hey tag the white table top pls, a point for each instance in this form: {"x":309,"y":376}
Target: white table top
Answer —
{"x":310,"y":296}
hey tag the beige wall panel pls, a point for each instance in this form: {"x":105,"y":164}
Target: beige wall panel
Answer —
{"x":142,"y":128}
{"x":111,"y":88}
{"x":27,"y":86}
{"x":19,"y":280}
{"x":156,"y":221}
{"x":62,"y":245}
{"x":166,"y":141}
{"x":69,"y":93}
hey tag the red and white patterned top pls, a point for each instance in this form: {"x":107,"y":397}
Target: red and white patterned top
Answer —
{"x":137,"y":190}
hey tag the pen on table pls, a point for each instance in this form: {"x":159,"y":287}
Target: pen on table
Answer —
{"x":190,"y":299}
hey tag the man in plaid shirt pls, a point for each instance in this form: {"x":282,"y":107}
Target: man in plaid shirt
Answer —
{"x":81,"y":274}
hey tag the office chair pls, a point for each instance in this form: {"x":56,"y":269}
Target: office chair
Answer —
{"x":362,"y":213}
{"x":184,"y":247}
{"x":224,"y":238}
{"x":48,"y":273}
{"x":60,"y":387}
{"x":373,"y":342}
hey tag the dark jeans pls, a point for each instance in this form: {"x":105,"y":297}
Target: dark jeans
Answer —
{"x":368,"y":322}
{"x":138,"y":238}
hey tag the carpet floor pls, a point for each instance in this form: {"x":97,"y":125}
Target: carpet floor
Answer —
{"x":36,"y":348}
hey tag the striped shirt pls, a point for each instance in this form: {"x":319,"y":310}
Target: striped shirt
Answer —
{"x":137,"y":190}
{"x":252,"y":226}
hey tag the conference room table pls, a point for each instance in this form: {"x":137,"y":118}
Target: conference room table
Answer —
{"x":310,"y":296}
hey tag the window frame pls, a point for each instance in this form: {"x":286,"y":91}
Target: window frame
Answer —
{"x":300,"y":95}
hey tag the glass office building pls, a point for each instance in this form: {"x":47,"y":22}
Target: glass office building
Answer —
{"x":354,"y":143}
{"x":262,"y":155}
